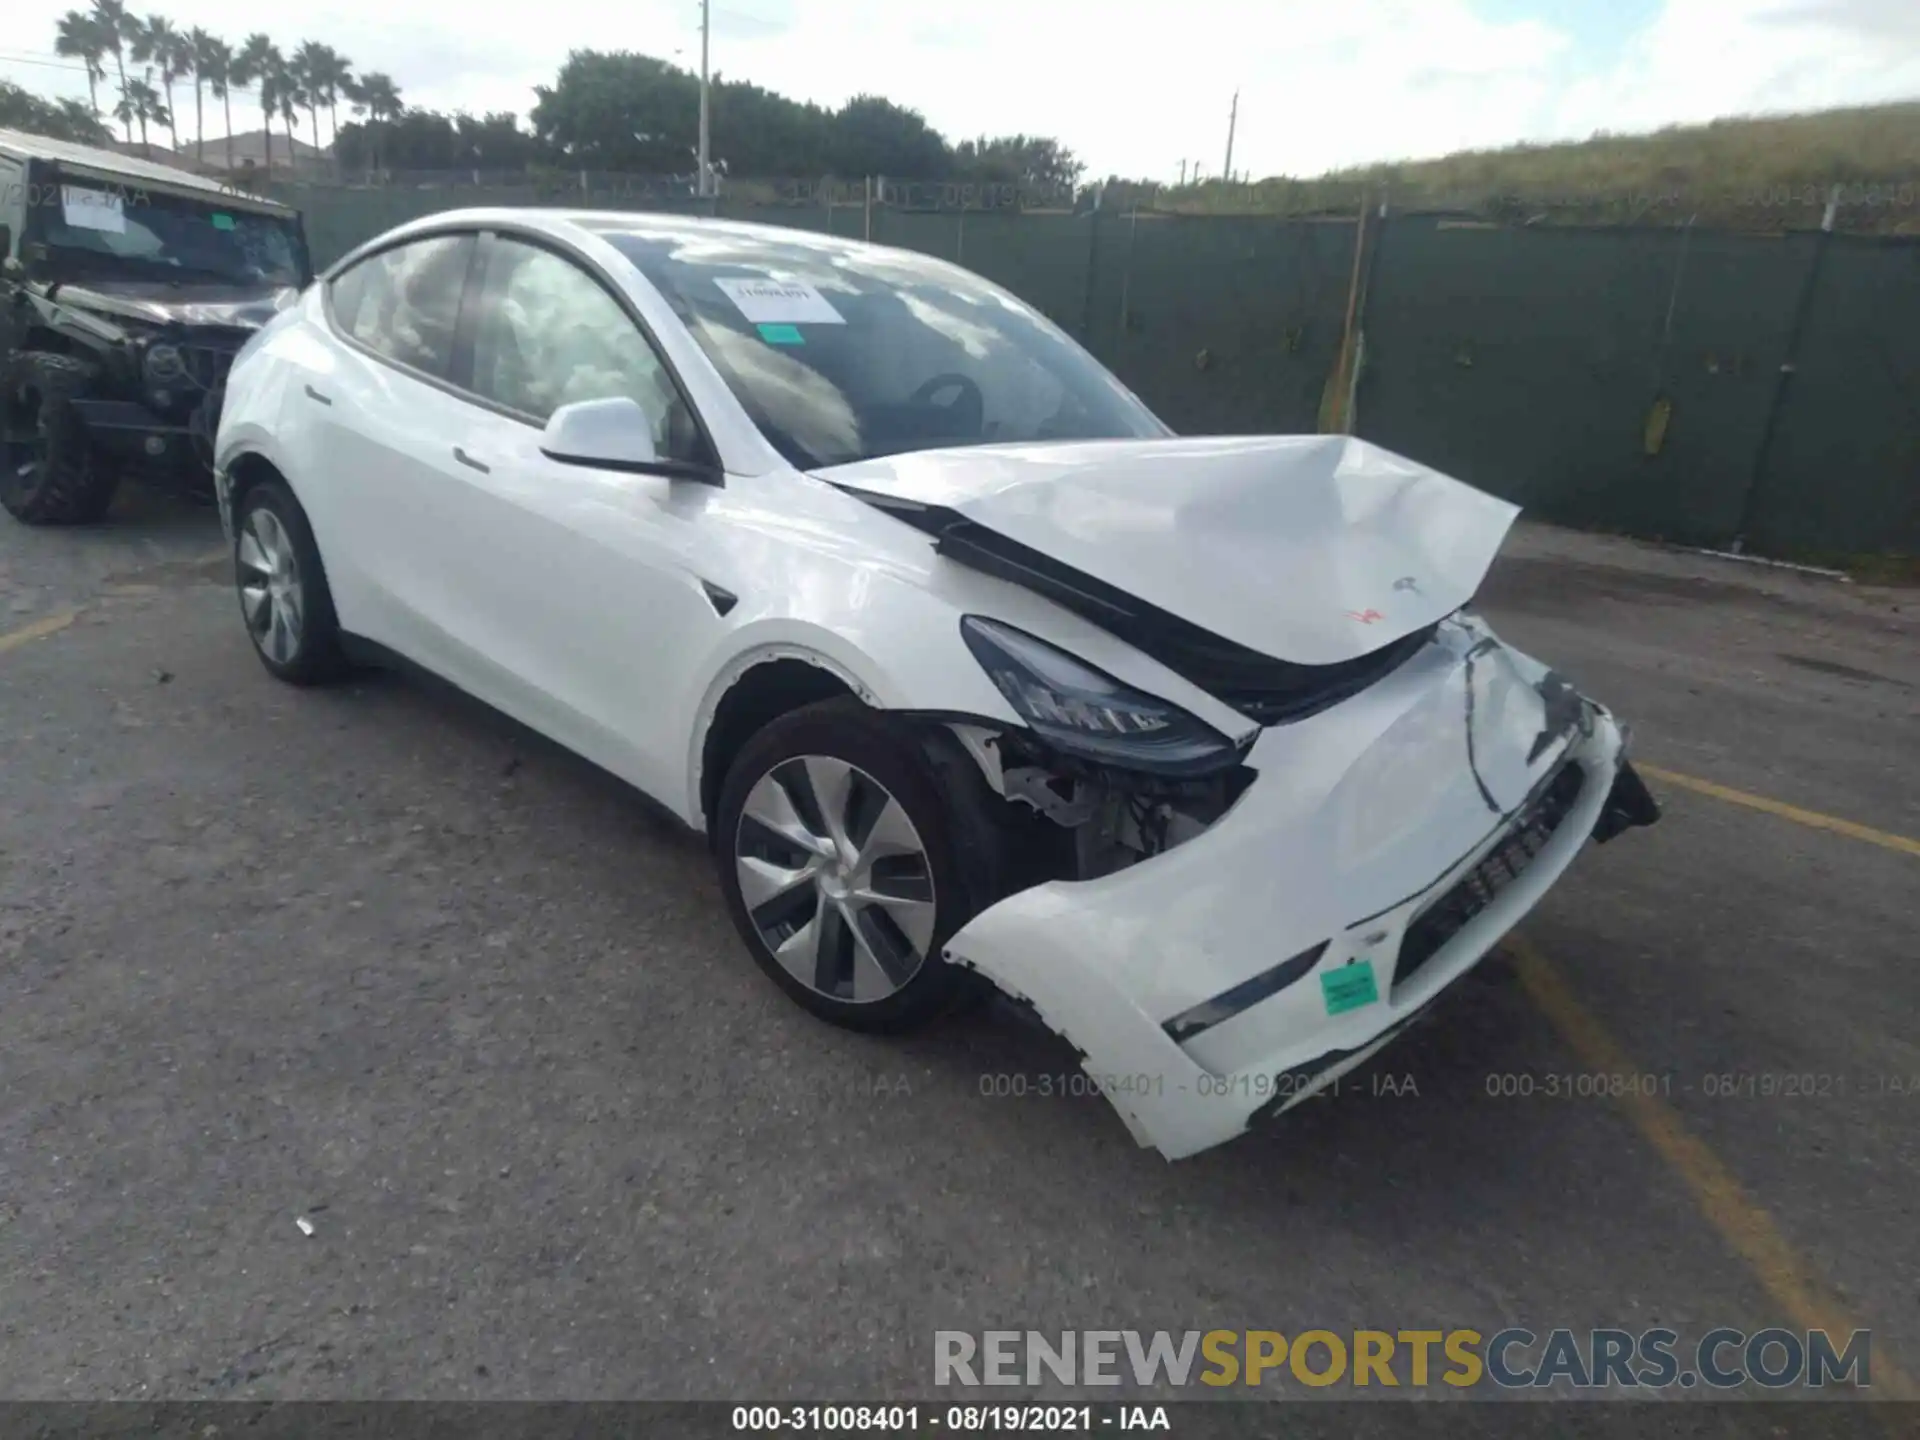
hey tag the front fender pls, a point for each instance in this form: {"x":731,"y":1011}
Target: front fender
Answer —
{"x":932,"y":671}
{"x":253,"y":409}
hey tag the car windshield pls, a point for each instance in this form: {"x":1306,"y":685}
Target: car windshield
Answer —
{"x":842,"y":353}
{"x":148,"y":234}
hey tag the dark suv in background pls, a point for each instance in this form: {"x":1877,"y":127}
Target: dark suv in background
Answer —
{"x":126,"y":289}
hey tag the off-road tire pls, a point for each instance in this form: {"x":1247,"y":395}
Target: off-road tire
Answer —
{"x":52,"y":475}
{"x":946,"y":799}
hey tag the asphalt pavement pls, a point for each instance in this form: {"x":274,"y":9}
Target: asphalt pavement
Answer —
{"x":376,"y":959}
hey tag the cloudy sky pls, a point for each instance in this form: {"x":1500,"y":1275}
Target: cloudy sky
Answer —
{"x":1135,"y":89}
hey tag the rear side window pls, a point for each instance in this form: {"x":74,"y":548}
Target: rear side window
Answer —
{"x":403,"y":304}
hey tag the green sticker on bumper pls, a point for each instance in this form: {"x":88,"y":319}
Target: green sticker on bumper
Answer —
{"x":1349,"y":987}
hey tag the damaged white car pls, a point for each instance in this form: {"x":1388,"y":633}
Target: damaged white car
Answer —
{"x":964,"y":662}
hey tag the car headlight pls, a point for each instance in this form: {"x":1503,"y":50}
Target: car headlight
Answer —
{"x":1077,"y":709}
{"x":161,"y":362}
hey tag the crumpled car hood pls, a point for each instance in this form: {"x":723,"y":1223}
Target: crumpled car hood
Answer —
{"x":1309,"y":549}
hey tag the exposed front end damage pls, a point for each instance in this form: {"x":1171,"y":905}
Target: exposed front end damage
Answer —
{"x":1219,"y":948}
{"x":1224,"y":920}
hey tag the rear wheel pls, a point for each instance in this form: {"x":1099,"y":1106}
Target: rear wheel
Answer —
{"x":51,"y":474}
{"x":848,"y":856}
{"x":284,"y":598}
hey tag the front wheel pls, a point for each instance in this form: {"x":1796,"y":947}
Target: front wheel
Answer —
{"x":848,"y":857}
{"x":50,"y":474}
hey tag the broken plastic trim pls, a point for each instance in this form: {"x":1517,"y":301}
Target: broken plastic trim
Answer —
{"x":1629,"y":804}
{"x":1026,"y":747}
{"x":1294,"y":1084}
{"x":1270,"y":691}
{"x":1244,"y":996}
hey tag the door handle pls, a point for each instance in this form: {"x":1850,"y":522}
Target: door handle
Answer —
{"x":472,"y":464}
{"x":313,"y":394}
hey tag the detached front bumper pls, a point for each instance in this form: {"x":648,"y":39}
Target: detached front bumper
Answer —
{"x":1236,"y":975}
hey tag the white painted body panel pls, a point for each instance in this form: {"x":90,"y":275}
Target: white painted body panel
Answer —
{"x":1309,"y":548}
{"x":1361,"y":817}
{"x":572,"y":599}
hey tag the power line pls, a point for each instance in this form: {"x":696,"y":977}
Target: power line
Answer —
{"x":47,"y":64}
{"x":10,"y":58}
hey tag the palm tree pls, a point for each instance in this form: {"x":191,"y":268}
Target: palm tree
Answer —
{"x":157,"y":41}
{"x":308,"y":65}
{"x":292,"y":98}
{"x":259,"y":63}
{"x":213,"y":63}
{"x":140,"y":101}
{"x":194,"y":40}
{"x":116,"y":29}
{"x":83,"y":124}
{"x":82,"y":38}
{"x":375,"y":96}
{"x":336,"y":83}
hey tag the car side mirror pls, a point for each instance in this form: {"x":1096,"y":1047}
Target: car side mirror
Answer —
{"x":609,"y":434}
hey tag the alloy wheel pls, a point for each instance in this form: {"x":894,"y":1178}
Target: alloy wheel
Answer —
{"x":835,"y":879}
{"x":270,"y":596}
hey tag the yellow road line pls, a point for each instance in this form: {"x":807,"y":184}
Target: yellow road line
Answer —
{"x":1788,"y":1279}
{"x":45,"y":625}
{"x":1794,"y":813}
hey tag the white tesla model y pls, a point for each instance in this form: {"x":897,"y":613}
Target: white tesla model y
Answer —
{"x":966,"y":664}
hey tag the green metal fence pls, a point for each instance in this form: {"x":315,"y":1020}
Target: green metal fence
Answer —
{"x":1676,"y":383}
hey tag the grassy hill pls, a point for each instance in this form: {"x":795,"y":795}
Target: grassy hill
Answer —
{"x":1761,"y":172}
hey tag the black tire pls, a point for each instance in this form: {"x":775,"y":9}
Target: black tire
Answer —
{"x":945,"y":798}
{"x":315,"y":655}
{"x":52,"y":475}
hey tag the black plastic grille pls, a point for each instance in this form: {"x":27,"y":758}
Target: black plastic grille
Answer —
{"x":207,"y":365}
{"x":1500,"y":868}
{"x":205,"y":355}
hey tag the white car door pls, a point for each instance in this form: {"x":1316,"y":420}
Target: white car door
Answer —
{"x":573,"y":594}
{"x":371,"y":414}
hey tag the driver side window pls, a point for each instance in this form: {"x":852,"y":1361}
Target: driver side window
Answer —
{"x":548,"y":334}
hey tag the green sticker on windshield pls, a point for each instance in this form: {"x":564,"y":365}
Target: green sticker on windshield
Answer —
{"x":782,"y":335}
{"x":1349,"y":987}
{"x":223,"y":222}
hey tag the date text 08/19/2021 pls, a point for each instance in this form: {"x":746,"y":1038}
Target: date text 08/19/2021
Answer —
{"x":954,"y":1419}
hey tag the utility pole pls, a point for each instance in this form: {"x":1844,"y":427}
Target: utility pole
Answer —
{"x":1183,"y":172}
{"x":1233,"y":117}
{"x":706,"y":170}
